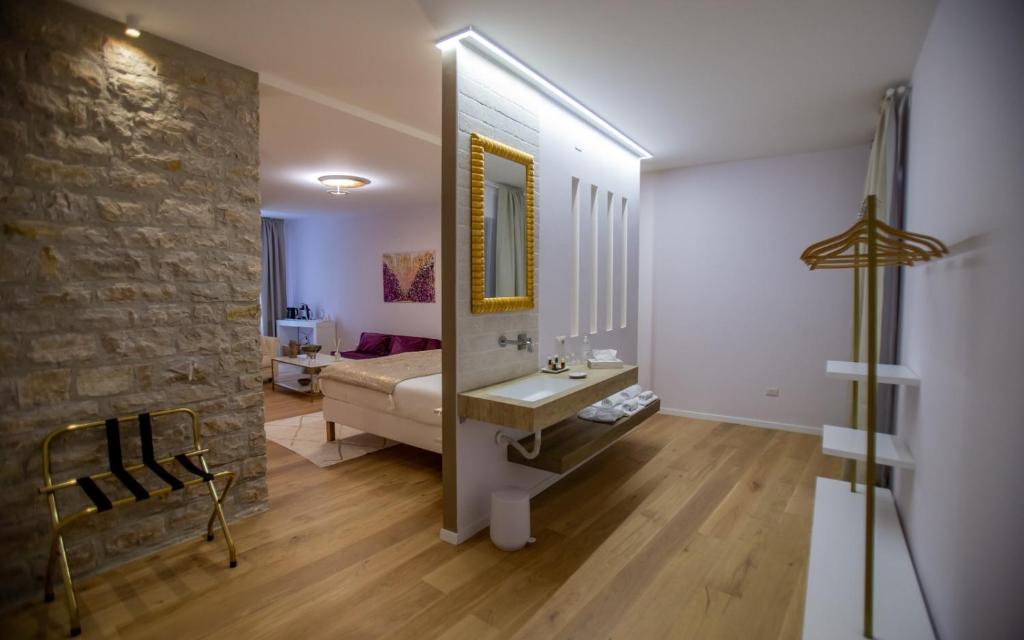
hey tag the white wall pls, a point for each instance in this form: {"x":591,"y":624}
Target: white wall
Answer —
{"x":497,"y":104}
{"x":962,"y":321}
{"x":335,"y":263}
{"x":732,"y":310}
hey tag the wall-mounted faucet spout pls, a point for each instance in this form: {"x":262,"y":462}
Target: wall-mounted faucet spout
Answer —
{"x":521,"y":342}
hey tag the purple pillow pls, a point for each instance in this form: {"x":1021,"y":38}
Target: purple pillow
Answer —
{"x":402,"y":344}
{"x":432,"y":343}
{"x":375,"y":343}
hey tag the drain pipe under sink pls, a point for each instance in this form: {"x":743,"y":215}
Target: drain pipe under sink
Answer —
{"x":501,"y":439}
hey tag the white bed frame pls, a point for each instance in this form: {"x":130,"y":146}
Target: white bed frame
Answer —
{"x":384,"y":424}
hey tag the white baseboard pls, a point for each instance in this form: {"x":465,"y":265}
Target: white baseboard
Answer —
{"x":749,"y":422}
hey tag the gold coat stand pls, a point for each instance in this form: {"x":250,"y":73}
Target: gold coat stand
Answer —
{"x":870,"y":244}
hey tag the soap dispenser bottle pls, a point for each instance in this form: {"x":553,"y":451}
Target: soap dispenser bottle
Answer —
{"x":587,"y":352}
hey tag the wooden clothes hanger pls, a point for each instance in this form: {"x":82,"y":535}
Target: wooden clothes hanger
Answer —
{"x":894,"y":247}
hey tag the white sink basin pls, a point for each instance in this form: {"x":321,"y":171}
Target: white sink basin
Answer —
{"x":533,"y":389}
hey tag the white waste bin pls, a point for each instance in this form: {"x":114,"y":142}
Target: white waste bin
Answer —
{"x":510,"y":519}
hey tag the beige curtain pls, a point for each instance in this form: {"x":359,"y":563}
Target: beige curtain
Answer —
{"x":885,"y":180}
{"x":510,"y":243}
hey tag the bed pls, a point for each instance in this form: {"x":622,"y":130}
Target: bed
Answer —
{"x":397,"y":397}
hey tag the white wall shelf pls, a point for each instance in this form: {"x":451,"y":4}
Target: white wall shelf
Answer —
{"x":834,"y":607}
{"x":845,"y":442}
{"x":887,"y":373}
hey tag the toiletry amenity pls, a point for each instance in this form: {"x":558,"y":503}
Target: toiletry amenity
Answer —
{"x":587,"y":353}
{"x":578,"y":375}
{"x":556,"y":364}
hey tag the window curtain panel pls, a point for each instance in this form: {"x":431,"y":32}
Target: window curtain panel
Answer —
{"x":510,"y":243}
{"x":273,"y":297}
{"x":886,"y":181}
{"x":490,"y":205}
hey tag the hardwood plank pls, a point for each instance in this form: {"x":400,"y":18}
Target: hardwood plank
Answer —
{"x":683,"y":528}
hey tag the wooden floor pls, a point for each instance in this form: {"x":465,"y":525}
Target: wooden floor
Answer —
{"x":684,"y":529}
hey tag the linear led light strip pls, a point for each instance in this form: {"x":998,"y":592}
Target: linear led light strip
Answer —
{"x":529,"y":74}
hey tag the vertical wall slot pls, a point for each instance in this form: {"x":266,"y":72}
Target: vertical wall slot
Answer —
{"x":594,"y":242}
{"x":609,"y":302}
{"x":574,"y":264}
{"x":624,"y":271}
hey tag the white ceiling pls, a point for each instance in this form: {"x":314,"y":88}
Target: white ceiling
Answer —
{"x":301,"y":140}
{"x":692,"y":81}
{"x":701,"y":81}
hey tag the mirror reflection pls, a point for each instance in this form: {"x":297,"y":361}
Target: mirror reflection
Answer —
{"x":504,"y":227}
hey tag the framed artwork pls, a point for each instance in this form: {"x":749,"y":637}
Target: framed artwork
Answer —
{"x":409,"y":277}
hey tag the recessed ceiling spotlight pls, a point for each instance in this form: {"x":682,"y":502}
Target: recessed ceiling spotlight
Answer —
{"x":131,"y":28}
{"x":335,"y":183}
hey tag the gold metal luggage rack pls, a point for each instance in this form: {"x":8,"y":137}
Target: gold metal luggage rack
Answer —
{"x":124,"y":473}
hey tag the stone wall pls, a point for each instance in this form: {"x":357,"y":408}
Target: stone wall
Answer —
{"x":129,"y":272}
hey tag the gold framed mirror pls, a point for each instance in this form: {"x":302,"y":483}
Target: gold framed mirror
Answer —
{"x":501,"y":226}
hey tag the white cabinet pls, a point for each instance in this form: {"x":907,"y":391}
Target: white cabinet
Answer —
{"x":319,"y":332}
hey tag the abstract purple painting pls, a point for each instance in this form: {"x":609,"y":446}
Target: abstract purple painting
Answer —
{"x":409,"y":277}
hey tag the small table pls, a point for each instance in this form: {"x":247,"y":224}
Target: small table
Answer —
{"x":296,"y":368}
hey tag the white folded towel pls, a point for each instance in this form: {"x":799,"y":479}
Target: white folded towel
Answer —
{"x":650,"y":397}
{"x":630,"y":406}
{"x":628,"y":393}
{"x":602,"y":414}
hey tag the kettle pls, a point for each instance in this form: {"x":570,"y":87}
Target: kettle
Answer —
{"x":291,"y":313}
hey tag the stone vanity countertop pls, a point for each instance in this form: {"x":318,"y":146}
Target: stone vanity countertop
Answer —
{"x":480,"y":404}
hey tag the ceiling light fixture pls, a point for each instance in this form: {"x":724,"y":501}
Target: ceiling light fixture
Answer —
{"x":335,"y":183}
{"x":471,"y":36}
{"x":131,"y":28}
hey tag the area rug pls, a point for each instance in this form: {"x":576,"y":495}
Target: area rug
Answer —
{"x":306,"y":436}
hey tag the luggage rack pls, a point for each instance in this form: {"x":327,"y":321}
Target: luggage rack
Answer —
{"x":124,"y":474}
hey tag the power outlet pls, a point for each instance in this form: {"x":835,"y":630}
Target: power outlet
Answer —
{"x":772,"y":392}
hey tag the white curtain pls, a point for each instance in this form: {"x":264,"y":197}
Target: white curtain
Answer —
{"x":885,"y":180}
{"x":510,"y":243}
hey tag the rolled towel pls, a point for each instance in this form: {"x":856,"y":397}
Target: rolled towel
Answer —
{"x":607,"y":402}
{"x":629,"y":392}
{"x":651,"y":398}
{"x":594,"y":414}
{"x":631,"y":406}
{"x":646,"y":396}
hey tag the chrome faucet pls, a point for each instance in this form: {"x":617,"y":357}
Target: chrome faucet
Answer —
{"x":521,"y":342}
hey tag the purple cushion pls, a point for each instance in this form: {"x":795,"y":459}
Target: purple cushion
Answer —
{"x":357,"y":355}
{"x":432,"y":343}
{"x":376,"y":344}
{"x":402,"y":344}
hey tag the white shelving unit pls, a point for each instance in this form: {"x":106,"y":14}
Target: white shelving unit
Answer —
{"x":845,"y":442}
{"x":319,"y":332}
{"x":887,"y":373}
{"x":835,"y":575}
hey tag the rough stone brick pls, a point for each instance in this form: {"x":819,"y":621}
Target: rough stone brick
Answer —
{"x":175,"y":211}
{"x":44,"y":387}
{"x":62,"y":348}
{"x":104,"y":381}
